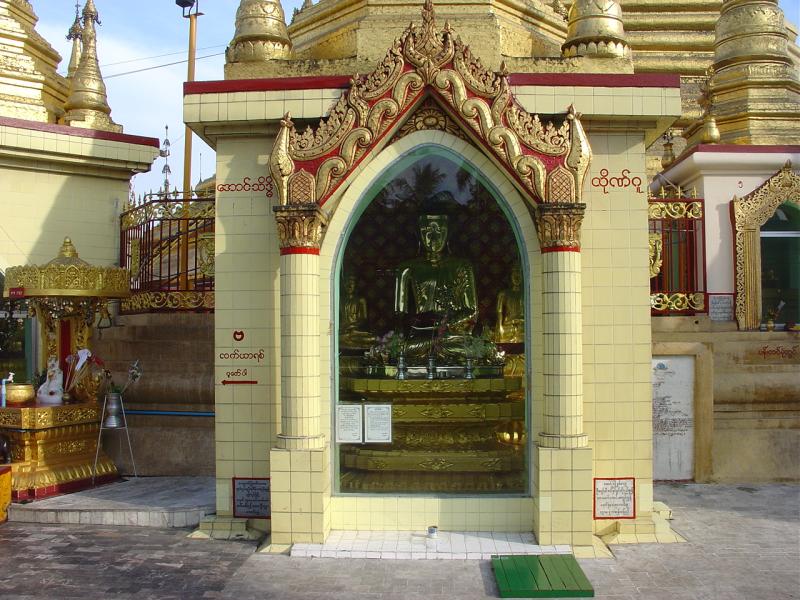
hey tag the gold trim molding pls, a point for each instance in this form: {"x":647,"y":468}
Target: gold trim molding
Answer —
{"x":657,"y":209}
{"x":749,"y":214}
{"x":300,"y":226}
{"x":656,"y":257}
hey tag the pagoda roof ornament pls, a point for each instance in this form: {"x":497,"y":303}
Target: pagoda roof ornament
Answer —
{"x":595,"y":29}
{"x":87,"y":106}
{"x":260,"y":34}
{"x":75,"y":35}
{"x":547,"y":158}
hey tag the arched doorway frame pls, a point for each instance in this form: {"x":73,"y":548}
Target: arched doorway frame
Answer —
{"x":352,"y":204}
{"x":748,"y":215}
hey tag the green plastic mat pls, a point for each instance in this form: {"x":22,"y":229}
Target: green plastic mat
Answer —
{"x":546,"y":576}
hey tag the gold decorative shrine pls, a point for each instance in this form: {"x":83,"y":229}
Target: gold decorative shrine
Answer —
{"x":547,"y":159}
{"x":749,"y":214}
{"x":449,"y":436}
{"x":53,"y":449}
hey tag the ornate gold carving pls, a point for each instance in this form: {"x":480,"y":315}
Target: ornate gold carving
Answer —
{"x":749,"y":214}
{"x":560,"y":186}
{"x":136,"y":257}
{"x":68,"y":275}
{"x":656,"y":258}
{"x":300,"y":225}
{"x":168,"y":209}
{"x":426,"y":62}
{"x":87,"y":105}
{"x":436,"y":412}
{"x":205,"y":254}
{"x":667,"y":302}
{"x":559,"y":225}
{"x":674,"y":210}
{"x":260,"y":33}
{"x":429,"y":116}
{"x":154,"y":301}
{"x":436,"y":464}
{"x":42,"y":417}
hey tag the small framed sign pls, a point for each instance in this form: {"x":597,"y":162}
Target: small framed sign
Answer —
{"x":16,"y":292}
{"x":614,"y":498}
{"x":349,"y":429}
{"x":251,"y":498}
{"x":378,"y":423}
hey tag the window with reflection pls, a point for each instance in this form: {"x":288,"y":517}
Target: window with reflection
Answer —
{"x":431,"y":338}
{"x":780,"y":266}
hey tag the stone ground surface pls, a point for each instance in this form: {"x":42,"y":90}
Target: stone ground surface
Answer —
{"x":744,"y":543}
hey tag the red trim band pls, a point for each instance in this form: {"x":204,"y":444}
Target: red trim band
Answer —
{"x":299,"y":250}
{"x":266,"y":85}
{"x":639,"y":80}
{"x":549,"y":249}
{"x":78,"y":132}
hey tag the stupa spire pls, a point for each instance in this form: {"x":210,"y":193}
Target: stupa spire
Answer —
{"x":595,"y":29}
{"x":87,"y":105}
{"x":75,"y":34}
{"x":754,"y":87}
{"x":261,"y":33}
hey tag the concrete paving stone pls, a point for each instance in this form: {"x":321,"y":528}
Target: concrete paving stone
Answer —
{"x":743,"y":543}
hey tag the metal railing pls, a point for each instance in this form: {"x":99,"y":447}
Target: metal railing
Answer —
{"x":167,"y":244}
{"x":677,"y":255}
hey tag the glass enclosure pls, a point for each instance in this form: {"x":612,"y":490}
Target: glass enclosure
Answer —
{"x":431,"y":338}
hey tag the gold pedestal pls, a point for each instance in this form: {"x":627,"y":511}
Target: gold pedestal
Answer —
{"x":53,"y":449}
{"x":448,"y":436}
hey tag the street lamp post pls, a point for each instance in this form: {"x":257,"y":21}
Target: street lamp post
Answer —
{"x":191,"y":10}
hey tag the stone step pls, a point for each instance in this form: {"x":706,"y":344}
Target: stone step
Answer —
{"x":138,"y":502}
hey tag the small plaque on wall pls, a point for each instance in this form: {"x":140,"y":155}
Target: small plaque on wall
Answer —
{"x":378,"y":423}
{"x":614,"y":498}
{"x":251,"y":498}
{"x":720,"y":307}
{"x":349,"y":429}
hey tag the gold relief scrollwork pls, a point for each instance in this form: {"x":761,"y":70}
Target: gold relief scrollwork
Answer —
{"x":674,"y":210}
{"x":656,"y":259}
{"x":205,"y":254}
{"x":436,"y":464}
{"x":154,"y":301}
{"x":749,"y":214}
{"x":477,"y":78}
{"x":580,"y":152}
{"x":302,"y":188}
{"x":436,"y":412}
{"x":559,"y":225}
{"x":677,"y":302}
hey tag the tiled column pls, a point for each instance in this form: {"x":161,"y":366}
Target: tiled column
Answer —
{"x":563,"y":458}
{"x":300,"y":475}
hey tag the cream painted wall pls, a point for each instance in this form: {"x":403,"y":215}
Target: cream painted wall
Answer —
{"x":247,"y":300}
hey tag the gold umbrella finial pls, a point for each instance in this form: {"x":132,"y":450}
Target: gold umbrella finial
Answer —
{"x":68,"y":249}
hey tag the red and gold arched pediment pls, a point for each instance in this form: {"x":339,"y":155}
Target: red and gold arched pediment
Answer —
{"x":546,"y":158}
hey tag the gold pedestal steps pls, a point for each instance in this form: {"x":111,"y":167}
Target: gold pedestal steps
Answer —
{"x":447,"y":437}
{"x":53,"y":449}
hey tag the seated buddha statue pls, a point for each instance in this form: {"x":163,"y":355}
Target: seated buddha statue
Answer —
{"x":510,"y":312}
{"x":353,"y":317}
{"x":435,"y":295}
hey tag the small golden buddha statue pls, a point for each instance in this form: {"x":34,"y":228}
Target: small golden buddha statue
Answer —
{"x":435,"y":296}
{"x":510,"y":311}
{"x":353,"y":317}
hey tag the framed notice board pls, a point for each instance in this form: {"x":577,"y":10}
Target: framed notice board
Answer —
{"x":251,"y":498}
{"x":614,"y":498}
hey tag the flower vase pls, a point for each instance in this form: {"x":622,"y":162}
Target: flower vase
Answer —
{"x":113,"y":418}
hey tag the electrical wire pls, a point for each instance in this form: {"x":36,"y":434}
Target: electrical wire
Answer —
{"x":177,"y":62}
{"x":122,"y":62}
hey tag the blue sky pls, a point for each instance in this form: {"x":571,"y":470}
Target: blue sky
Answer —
{"x":147,"y":101}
